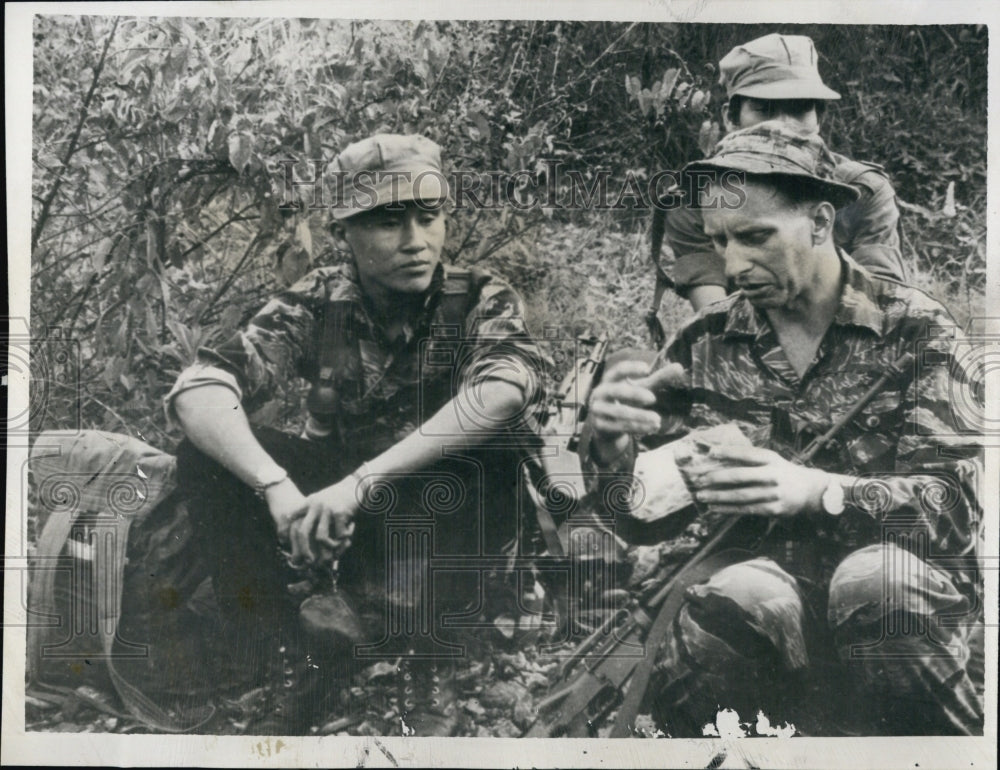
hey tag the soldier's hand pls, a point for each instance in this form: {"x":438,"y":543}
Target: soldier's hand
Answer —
{"x":286,"y":504}
{"x":759,"y":481}
{"x":620,"y":404}
{"x":326,"y":529}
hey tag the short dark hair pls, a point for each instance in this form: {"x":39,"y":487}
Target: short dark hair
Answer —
{"x":778,"y":106}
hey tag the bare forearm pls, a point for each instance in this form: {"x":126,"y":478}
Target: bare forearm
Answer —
{"x":469,"y":419}
{"x":215,"y":422}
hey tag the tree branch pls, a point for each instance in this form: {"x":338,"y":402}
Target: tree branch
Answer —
{"x":232,"y":277}
{"x":43,"y":215}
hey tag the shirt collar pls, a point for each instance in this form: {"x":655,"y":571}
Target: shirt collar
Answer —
{"x":858,"y":305}
{"x":431,"y":297}
{"x":859,"y":298}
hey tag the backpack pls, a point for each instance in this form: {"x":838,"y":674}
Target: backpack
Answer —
{"x":109,"y":519}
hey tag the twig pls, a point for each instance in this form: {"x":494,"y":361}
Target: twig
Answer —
{"x":613,"y":44}
{"x":232,"y":277}
{"x":43,"y":215}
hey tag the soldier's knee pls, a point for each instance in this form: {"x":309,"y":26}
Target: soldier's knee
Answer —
{"x":879,"y":580}
{"x":753,"y":606}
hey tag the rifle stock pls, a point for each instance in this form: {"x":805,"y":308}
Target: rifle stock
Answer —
{"x":610,"y":673}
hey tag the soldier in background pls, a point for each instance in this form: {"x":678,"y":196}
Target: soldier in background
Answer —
{"x":869,"y":567}
{"x":776,"y":77}
{"x":425,"y":386}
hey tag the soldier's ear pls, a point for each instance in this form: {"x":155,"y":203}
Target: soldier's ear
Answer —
{"x":823,"y":215}
{"x":727,"y":117}
{"x":339,"y":235}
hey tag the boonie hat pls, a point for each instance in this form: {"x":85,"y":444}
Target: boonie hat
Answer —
{"x":384,"y":169}
{"x":774,"y":67}
{"x":773,"y":148}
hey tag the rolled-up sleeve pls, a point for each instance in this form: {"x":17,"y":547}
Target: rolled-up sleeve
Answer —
{"x":695,"y":261}
{"x":278,"y":343}
{"x":501,"y":347}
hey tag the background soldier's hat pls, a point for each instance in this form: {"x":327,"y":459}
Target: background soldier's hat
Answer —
{"x":384,"y":169}
{"x":774,"y":67}
{"x":775,"y":149}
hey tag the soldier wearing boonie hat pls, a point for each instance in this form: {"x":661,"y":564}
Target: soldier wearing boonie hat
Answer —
{"x":775,"y":148}
{"x":784,"y":358}
{"x":776,"y":77}
{"x":390,"y":394}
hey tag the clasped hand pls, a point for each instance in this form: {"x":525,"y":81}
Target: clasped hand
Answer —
{"x":318,"y":527}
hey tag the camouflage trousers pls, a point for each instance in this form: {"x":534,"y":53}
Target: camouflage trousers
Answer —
{"x":880,"y":648}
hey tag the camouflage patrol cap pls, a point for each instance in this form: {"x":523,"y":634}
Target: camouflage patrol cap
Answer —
{"x":775,"y":149}
{"x":385,"y":169}
{"x":774,"y":67}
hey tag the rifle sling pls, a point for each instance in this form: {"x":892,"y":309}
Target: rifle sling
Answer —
{"x":672,"y":602}
{"x":614,"y":670}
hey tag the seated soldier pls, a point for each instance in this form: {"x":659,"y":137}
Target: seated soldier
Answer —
{"x":868,"y":570}
{"x":425,"y":385}
{"x":777,"y":77}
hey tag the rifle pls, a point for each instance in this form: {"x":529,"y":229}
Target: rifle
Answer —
{"x":606,"y":668}
{"x":561,"y":435}
{"x":657,"y":334}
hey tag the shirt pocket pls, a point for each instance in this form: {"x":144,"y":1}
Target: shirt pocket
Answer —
{"x":871,"y":438}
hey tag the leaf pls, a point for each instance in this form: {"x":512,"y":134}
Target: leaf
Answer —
{"x":669,"y":79}
{"x":379,"y":669}
{"x":176,"y":111}
{"x":506,"y":625}
{"x":708,"y":136}
{"x":645,"y":102}
{"x":239,"y":150}
{"x":481,"y":125}
{"x":303,"y":237}
{"x":100,"y":255}
{"x":949,"y":209}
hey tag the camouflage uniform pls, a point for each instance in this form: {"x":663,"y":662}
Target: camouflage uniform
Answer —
{"x":779,"y":67}
{"x":385,"y":389}
{"x":891,"y":586}
{"x":866,"y":229}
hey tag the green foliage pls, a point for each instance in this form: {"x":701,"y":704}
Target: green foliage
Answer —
{"x":158,"y":183}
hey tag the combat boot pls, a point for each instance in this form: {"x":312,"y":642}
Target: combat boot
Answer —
{"x":297,"y":690}
{"x":428,"y":698}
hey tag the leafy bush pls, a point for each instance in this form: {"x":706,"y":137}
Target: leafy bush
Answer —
{"x":158,"y":187}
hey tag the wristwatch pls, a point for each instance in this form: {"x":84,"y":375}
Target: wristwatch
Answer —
{"x":832,"y":500}
{"x":269,"y":479}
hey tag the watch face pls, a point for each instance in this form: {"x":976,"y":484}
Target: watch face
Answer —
{"x":833,"y":499}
